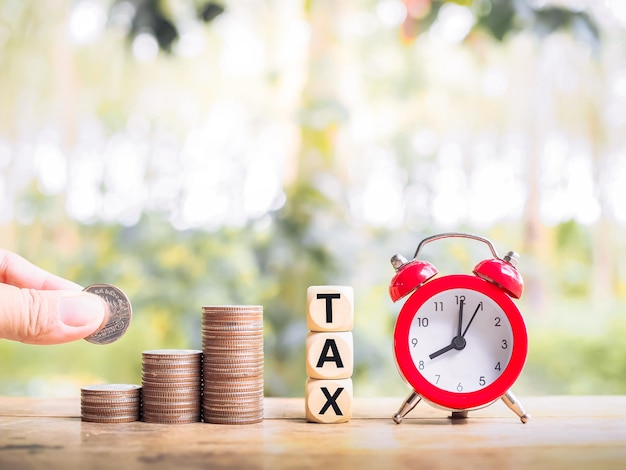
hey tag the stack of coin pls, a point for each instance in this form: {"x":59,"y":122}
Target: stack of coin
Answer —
{"x":172,"y":386}
{"x":232,"y":343}
{"x":110,"y":403}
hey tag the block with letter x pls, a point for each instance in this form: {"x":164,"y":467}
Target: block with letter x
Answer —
{"x":328,"y":401}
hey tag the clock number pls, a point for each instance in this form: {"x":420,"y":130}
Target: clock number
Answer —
{"x":482,"y":381}
{"x":420,"y":366}
{"x":459,"y":299}
{"x":438,"y":377}
{"x":497,"y":320}
{"x":414,"y":341}
{"x":505,"y":345}
{"x":498,"y":367}
{"x":422,"y":322}
{"x":459,"y":387}
{"x":438,"y":306}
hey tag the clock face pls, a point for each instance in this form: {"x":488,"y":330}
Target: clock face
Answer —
{"x":460,"y":342}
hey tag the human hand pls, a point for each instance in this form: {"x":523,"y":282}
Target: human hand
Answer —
{"x":37,"y":307}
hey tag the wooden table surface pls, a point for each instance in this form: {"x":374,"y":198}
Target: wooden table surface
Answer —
{"x":564,"y":432}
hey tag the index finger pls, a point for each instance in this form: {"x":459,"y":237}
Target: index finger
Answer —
{"x":19,"y":272}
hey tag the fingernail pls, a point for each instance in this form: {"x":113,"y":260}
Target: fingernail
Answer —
{"x":81,"y":310}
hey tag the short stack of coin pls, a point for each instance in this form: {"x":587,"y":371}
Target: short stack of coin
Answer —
{"x":110,"y":403}
{"x":172,"y":386}
{"x":232,"y":344}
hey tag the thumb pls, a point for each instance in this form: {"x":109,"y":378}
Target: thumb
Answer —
{"x":48,"y":316}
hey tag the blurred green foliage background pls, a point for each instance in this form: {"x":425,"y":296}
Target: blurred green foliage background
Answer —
{"x":196,"y":153}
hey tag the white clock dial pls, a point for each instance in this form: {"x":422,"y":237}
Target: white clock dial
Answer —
{"x":460,"y":340}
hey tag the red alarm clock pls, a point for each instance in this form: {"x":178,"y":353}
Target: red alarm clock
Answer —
{"x":460,"y":342}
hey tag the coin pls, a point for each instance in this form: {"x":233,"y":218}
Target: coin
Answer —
{"x":107,"y":419}
{"x":184,"y":419}
{"x":181,"y":403}
{"x":109,"y":388}
{"x":171,"y":374}
{"x":110,"y":403}
{"x":109,"y":408}
{"x":214,"y":418}
{"x":190,"y":378}
{"x":118,"y":315}
{"x":172,"y":385}
{"x":232,"y":343}
{"x":233,"y":309}
{"x":173,"y":391}
{"x":175,"y":354}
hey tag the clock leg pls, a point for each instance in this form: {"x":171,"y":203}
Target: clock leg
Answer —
{"x":411,"y":402}
{"x":513,"y":403}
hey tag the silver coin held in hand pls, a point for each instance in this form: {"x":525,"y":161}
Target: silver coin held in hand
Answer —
{"x":117,"y":317}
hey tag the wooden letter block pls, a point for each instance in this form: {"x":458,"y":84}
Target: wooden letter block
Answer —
{"x":328,"y":401}
{"x":330,"y":308}
{"x":329,"y":355}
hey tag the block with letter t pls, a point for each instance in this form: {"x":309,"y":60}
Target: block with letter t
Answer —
{"x":330,"y":308}
{"x":328,"y":401}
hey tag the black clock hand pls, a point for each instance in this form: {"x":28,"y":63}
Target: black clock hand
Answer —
{"x":458,"y":342}
{"x":449,"y":347}
{"x":471,"y":320}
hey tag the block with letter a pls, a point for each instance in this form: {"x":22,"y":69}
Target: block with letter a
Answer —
{"x":329,"y":354}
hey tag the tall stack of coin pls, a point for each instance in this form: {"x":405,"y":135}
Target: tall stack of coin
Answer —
{"x":110,"y":403}
{"x":232,"y":343}
{"x":172,"y":385}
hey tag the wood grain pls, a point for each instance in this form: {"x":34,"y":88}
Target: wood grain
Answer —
{"x":572,"y":432}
